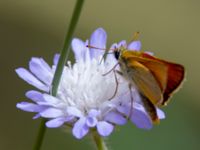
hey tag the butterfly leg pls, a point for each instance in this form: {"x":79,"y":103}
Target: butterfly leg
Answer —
{"x":113,"y":69}
{"x":131,"y":109}
{"x":117,"y":83}
{"x":131,"y":96}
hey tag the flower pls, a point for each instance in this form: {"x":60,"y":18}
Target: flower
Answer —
{"x":84,"y":94}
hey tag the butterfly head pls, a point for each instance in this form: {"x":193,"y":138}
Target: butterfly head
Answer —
{"x":118,"y":51}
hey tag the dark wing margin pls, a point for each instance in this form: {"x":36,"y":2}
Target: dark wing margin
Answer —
{"x":175,"y":77}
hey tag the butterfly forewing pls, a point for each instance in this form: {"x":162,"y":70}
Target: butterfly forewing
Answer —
{"x":142,"y":77}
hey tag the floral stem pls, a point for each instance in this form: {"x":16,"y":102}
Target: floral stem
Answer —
{"x":40,"y":135}
{"x":61,"y":63}
{"x":65,"y":51}
{"x":100,"y":143}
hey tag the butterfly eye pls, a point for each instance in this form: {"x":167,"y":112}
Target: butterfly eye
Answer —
{"x":116,"y":54}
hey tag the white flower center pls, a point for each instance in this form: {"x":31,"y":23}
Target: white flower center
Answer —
{"x":84,"y":86}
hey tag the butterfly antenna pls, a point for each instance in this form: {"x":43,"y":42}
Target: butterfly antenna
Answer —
{"x":136,"y":36}
{"x":103,"y":49}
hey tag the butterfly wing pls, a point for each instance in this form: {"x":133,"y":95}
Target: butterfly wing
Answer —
{"x":141,"y":76}
{"x":150,"y":92}
{"x":150,"y":109}
{"x":175,"y":76}
{"x":168,"y":75}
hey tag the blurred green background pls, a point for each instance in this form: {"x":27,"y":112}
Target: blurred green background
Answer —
{"x":169,"y":28}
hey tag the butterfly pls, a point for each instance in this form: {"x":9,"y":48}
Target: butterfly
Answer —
{"x":155,"y":79}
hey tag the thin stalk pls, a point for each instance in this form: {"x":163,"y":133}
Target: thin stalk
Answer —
{"x":100,"y":144}
{"x":65,"y":51}
{"x":40,"y":135}
{"x":59,"y":69}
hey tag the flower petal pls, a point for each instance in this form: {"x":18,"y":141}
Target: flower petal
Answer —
{"x":79,"y":48}
{"x":93,"y":113}
{"x":80,"y":129}
{"x":135,"y":45}
{"x":56,"y":59}
{"x":110,"y":57}
{"x":45,"y":65}
{"x":160,"y":113}
{"x":104,"y":128}
{"x":30,"y":107}
{"x":114,"y":46}
{"x":124,"y":109}
{"x":138,"y":115}
{"x":91,"y":121}
{"x":74,"y":112}
{"x":29,"y":78}
{"x":51,"y":113}
{"x":115,"y":118}
{"x":87,"y":53}
{"x":41,"y":70}
{"x":141,"y":119}
{"x":37,"y":116}
{"x":34,"y":96}
{"x":51,"y":99}
{"x":55,"y":123}
{"x":98,"y":39}
{"x":122,"y":44}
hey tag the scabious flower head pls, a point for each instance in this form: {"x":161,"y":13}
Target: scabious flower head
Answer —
{"x":84,"y":94}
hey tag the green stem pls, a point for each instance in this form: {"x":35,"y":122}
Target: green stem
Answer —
{"x":61,"y":63}
{"x":65,"y":51}
{"x":40,"y":135}
{"x":101,"y":145}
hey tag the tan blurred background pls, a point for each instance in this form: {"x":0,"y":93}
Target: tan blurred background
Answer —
{"x":169,"y":28}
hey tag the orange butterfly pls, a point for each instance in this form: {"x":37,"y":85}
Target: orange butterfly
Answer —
{"x":155,"y":79}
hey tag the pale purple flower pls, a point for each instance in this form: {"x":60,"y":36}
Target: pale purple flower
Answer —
{"x":83,"y":97}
